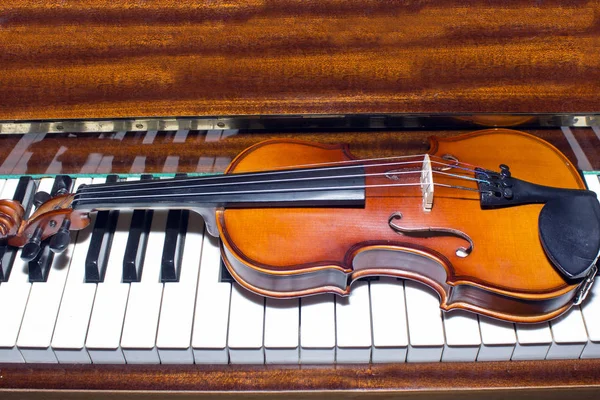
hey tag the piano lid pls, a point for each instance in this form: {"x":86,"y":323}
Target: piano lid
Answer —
{"x":97,"y":59}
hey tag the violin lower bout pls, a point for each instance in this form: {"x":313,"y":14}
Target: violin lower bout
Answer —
{"x":403,"y":263}
{"x":293,"y":252}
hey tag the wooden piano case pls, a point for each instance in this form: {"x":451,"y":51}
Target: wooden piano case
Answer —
{"x":381,"y":76}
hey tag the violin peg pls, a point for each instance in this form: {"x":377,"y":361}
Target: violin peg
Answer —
{"x":60,"y":241}
{"x":33,"y":246}
{"x":40,"y":198}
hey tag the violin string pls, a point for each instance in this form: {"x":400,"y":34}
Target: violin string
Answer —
{"x":289,"y":171}
{"x":330,"y":163}
{"x":139,"y":191}
{"x":189,"y":182}
{"x":284,"y":190}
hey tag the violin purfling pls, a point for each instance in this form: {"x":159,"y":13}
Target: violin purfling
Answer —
{"x":497,"y":222}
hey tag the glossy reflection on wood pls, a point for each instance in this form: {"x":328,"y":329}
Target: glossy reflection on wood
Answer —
{"x":94,"y":58}
{"x":72,"y":150}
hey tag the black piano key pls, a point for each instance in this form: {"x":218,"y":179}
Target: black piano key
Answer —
{"x":135,"y":250}
{"x":25,"y":192}
{"x":24,"y":195}
{"x":225,"y":276}
{"x":177,"y":221}
{"x":62,"y":185}
{"x":100,"y":242}
{"x":39,"y":267}
{"x":175,"y":231}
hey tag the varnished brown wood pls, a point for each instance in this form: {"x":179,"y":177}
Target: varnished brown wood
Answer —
{"x":431,"y":378}
{"x":94,"y":59}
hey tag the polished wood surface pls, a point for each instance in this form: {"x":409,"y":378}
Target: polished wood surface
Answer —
{"x":431,"y":378}
{"x":98,"y":59}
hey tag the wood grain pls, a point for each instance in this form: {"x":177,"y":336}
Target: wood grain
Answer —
{"x":433,"y":377}
{"x":102,"y":59}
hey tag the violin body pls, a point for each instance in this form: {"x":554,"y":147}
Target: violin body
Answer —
{"x":290,"y":252}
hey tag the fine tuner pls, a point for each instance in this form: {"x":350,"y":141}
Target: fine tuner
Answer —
{"x":512,"y":237}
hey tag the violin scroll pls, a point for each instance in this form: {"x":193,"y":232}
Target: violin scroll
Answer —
{"x":11,"y":214}
{"x":54,"y":218}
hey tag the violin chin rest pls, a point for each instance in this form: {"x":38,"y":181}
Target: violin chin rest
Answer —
{"x":569,"y":230}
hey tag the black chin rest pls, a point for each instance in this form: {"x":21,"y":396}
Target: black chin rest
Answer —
{"x":570,"y":234}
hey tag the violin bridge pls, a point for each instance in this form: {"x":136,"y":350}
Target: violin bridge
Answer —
{"x":427,"y":183}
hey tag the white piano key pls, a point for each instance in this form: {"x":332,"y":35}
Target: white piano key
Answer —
{"x":388,"y":314}
{"x":106,"y":322}
{"x":246,"y":322}
{"x":317,"y":329}
{"x":68,"y":341}
{"x":568,"y":336}
{"x":463,"y":339}
{"x":40,"y":315}
{"x":211,"y":315}
{"x":43,"y":305}
{"x":72,"y":323}
{"x":141,"y":323}
{"x":590,"y":308}
{"x":498,"y":339}
{"x":282,"y":320}
{"x":353,"y":325}
{"x":425,"y":327}
{"x":15,"y":293}
{"x":533,"y":341}
{"x":174,"y":338}
{"x":143,"y":305}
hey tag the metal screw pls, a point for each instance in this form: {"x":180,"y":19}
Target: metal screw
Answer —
{"x":139,"y":126}
{"x":52,"y":223}
{"x":221,"y":124}
{"x":59,"y":127}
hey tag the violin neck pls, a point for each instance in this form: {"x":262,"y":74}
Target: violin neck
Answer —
{"x":317,"y":187}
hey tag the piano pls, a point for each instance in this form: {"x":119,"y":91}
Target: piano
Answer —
{"x":140,"y":304}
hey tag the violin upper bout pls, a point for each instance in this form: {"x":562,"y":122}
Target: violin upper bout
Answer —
{"x":282,"y":153}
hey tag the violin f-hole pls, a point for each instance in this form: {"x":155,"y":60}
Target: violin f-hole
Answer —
{"x":431,"y":232}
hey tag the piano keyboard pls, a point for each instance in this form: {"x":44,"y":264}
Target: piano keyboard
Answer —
{"x":204,"y":319}
{"x":170,"y":304}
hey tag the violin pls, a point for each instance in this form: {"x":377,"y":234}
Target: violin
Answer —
{"x":497,"y":222}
